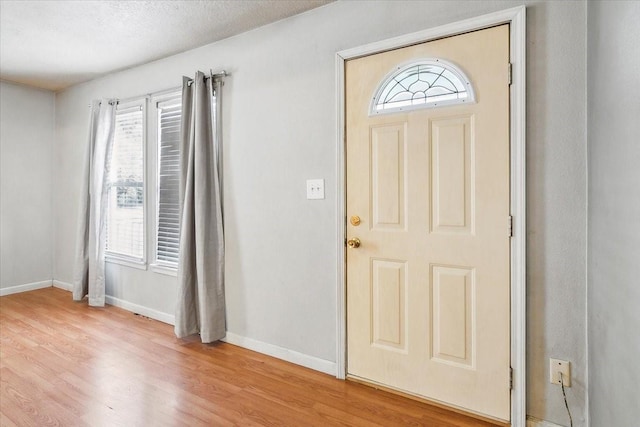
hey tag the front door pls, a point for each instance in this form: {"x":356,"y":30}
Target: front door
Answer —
{"x":428,"y":279}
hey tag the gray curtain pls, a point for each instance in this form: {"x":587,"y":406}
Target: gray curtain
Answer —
{"x":88,"y":276}
{"x":201,"y":304}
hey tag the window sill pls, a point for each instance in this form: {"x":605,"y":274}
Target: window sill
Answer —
{"x":140,"y":265}
{"x":163,"y":269}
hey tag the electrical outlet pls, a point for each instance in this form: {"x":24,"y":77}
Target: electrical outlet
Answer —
{"x":555,"y":367}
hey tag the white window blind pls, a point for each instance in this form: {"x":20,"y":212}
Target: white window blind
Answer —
{"x":125,"y":172}
{"x":168,"y":209}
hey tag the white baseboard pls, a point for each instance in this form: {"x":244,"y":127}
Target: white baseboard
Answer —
{"x":140,"y":309}
{"x":231,"y":338}
{"x":62,"y":285}
{"x":25,"y":288}
{"x":282,"y":353}
{"x":126,"y":305}
{"x":535,"y":422}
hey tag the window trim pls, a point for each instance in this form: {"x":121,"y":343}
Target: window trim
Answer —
{"x":164,"y":269}
{"x":113,"y":258}
{"x":116,"y":257}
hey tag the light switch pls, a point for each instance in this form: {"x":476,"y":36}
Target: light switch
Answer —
{"x":315,"y":189}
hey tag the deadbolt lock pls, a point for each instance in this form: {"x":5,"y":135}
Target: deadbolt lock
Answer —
{"x":355,"y":220}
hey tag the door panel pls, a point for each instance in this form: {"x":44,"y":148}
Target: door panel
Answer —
{"x":388,"y":176}
{"x":452,"y":174}
{"x":452,"y":310}
{"x":389,"y":289}
{"x":428,"y":289}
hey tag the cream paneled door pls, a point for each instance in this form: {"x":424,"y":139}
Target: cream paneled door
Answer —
{"x":428,"y":308}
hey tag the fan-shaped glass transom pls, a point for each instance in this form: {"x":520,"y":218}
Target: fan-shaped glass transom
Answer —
{"x":426,"y":83}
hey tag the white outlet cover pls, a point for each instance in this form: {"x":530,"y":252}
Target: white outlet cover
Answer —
{"x":315,"y":189}
{"x":555,"y":367}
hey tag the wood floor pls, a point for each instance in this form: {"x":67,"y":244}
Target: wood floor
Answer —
{"x":65,"y":364}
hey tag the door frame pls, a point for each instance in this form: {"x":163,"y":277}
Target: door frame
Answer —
{"x":516,"y":17}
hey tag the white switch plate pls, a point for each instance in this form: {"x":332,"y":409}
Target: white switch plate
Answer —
{"x":315,"y":189}
{"x":555,"y":367}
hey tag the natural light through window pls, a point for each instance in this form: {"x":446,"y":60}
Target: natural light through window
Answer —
{"x":125,"y":186}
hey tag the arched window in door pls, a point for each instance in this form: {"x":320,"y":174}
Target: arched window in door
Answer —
{"x":426,"y":83}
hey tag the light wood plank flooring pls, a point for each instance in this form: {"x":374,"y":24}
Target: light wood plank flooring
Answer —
{"x":65,"y":364}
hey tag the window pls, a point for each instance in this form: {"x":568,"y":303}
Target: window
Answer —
{"x":423,"y":84}
{"x":168,"y":179}
{"x":125,"y":185}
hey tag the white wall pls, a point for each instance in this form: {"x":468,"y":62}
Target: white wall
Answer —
{"x":280,"y":129}
{"x":614,"y":212}
{"x":556,"y":206}
{"x":26,"y":146}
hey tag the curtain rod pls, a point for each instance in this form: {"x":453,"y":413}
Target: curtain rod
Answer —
{"x":212,"y":75}
{"x":144,"y":96}
{"x":149,"y":95}
{"x":221,"y":73}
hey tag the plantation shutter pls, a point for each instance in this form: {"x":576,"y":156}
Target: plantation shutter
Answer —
{"x":125,"y":172}
{"x":168,"y":225}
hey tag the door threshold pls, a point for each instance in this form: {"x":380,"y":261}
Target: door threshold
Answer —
{"x":422,"y":399}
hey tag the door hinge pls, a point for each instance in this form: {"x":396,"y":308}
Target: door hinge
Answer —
{"x":510,"y":378}
{"x":510,"y":74}
{"x":510,"y":226}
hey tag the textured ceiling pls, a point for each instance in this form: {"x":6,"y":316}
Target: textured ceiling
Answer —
{"x":56,"y":44}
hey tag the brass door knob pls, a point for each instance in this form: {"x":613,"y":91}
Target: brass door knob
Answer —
{"x":353,"y":243}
